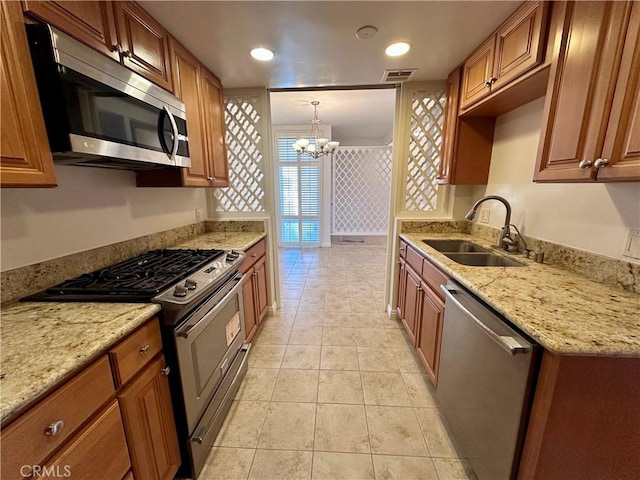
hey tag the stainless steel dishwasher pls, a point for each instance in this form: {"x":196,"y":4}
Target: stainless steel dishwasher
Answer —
{"x":485,"y":384}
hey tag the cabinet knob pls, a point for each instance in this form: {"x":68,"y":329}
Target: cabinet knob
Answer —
{"x":490,"y":82}
{"x":165,"y":371}
{"x":255,"y":274}
{"x":585,"y":164}
{"x":55,"y":428}
{"x":145,"y":349}
{"x":600,"y":162}
{"x":125,"y":53}
{"x":116,"y":48}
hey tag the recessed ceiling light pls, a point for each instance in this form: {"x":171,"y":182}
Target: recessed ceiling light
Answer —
{"x":262,"y":54}
{"x":397,"y":49}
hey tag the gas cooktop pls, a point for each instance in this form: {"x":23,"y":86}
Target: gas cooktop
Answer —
{"x":139,"y":279}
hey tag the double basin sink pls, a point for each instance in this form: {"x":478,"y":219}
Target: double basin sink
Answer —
{"x":468,"y":253}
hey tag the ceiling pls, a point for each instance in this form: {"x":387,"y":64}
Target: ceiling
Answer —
{"x":315,"y":41}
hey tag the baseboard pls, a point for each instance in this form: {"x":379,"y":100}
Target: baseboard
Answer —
{"x":392,"y":313}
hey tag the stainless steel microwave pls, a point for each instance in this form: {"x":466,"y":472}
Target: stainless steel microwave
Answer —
{"x":98,"y":113}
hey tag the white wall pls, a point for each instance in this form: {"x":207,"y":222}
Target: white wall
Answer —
{"x":592,"y":217}
{"x":91,"y":207}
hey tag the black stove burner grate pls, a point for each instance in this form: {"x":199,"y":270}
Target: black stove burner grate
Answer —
{"x":144,"y":276}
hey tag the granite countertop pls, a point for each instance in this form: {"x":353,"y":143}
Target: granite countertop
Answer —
{"x":565,"y":312}
{"x":43,"y":343}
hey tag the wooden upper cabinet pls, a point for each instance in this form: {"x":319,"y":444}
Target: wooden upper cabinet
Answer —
{"x":584,"y":83}
{"x":25,"y":157}
{"x":144,"y":43}
{"x":477,"y":72}
{"x":186,"y":73}
{"x":213,"y":121}
{"x":91,"y":22}
{"x":449,"y":128}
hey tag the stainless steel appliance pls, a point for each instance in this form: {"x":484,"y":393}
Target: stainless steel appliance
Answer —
{"x":203,"y":331}
{"x":98,"y":113}
{"x":485,"y":384}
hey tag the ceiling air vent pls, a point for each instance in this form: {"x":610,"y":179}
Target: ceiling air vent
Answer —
{"x":395,"y":76}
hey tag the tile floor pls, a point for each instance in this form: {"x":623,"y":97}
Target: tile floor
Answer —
{"x":334,"y":390}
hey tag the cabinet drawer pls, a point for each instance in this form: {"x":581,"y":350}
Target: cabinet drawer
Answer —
{"x":414,"y":259}
{"x":25,"y":442}
{"x":253,"y":254}
{"x":136,"y":351}
{"x":100,"y":451}
{"x":433,"y":277}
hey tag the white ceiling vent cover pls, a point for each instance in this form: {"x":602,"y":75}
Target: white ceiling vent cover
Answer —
{"x":400,"y":75}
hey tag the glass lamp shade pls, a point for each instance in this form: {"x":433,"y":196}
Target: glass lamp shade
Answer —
{"x":303,"y":142}
{"x":311,"y":148}
{"x":333,"y":145}
{"x":321,"y":142}
{"x":297,"y":147}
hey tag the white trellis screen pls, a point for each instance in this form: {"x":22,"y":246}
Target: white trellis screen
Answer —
{"x":246,"y":162}
{"x":361,"y":190}
{"x":425,"y":138}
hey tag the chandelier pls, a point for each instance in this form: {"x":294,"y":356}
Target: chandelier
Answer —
{"x":314,"y":146}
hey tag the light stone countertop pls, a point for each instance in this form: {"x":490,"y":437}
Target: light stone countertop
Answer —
{"x":565,"y":312}
{"x":43,"y":343}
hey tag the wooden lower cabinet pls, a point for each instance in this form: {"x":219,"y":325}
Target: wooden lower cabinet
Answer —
{"x":150,"y":425}
{"x":430,"y":331}
{"x":250,"y":318}
{"x":260,"y":275}
{"x":411,"y":302}
{"x":255,"y":296}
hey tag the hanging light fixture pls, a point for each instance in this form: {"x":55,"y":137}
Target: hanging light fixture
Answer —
{"x":315,"y":146}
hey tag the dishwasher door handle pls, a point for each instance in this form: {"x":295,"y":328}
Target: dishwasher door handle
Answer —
{"x":510,"y":344}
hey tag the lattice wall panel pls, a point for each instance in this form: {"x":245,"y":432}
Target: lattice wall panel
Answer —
{"x":361,"y":190}
{"x":427,"y":114}
{"x":246,"y":163}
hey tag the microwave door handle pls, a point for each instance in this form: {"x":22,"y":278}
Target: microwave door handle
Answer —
{"x":163,"y":144}
{"x":174,"y":127}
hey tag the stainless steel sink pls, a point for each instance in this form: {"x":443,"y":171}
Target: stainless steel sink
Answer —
{"x":483,"y":260}
{"x":455,"y":246}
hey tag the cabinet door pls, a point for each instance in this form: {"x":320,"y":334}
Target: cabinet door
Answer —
{"x":250,"y":320}
{"x":622,"y":141}
{"x":150,"y":425}
{"x":429,"y":337}
{"x":90,"y":22}
{"x":520,"y":43}
{"x":213,"y":110}
{"x":476,"y":74}
{"x":449,"y":128}
{"x":402,"y":286}
{"x":261,"y":292}
{"x":186,"y":73}
{"x":85,"y":456}
{"x":580,"y":90}
{"x":25,"y":157}
{"x":411,"y":304}
{"x":145,"y":44}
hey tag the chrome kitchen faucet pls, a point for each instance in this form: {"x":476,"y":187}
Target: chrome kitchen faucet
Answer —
{"x":505,"y":239}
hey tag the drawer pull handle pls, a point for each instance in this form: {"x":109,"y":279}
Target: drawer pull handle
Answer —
{"x":165,"y":371}
{"x":144,"y":350}
{"x":55,"y":428}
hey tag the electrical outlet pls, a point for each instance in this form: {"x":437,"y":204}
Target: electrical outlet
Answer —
{"x":485,"y":214}
{"x":198,"y":214}
{"x":632,"y":246}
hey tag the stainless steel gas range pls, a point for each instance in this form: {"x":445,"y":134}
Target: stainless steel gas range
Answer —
{"x":203,"y":331}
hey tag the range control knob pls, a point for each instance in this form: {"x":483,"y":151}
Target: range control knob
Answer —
{"x":180,"y":291}
{"x":232,"y":255}
{"x":190,"y":284}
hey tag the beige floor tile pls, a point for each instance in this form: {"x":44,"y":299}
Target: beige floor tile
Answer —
{"x":339,"y":336}
{"x":227,"y":464}
{"x":371,"y":337}
{"x":420,"y":389}
{"x":339,"y":358}
{"x":369,"y":320}
{"x":281,"y":464}
{"x":374,"y":359}
{"x":453,"y":469}
{"x":305,"y":335}
{"x":309,"y":318}
{"x":340,"y":387}
{"x":337,"y":303}
{"x":279,"y":317}
{"x":288,"y":306}
{"x":273,"y":334}
{"x":384,"y":388}
{"x":342,"y":466}
{"x":266,"y":356}
{"x":398,"y":339}
{"x":404,"y":468}
{"x":314,"y":305}
{"x":241,"y":427}
{"x":341,"y":428}
{"x":435,"y":433}
{"x":288,"y":426}
{"x":257,"y":384}
{"x":296,"y":386}
{"x":337,"y":319}
{"x":408,"y":361}
{"x":362,"y":305}
{"x":395,"y":431}
{"x":303,"y":357}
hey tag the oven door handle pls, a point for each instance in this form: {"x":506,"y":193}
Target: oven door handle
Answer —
{"x":187,"y":329}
